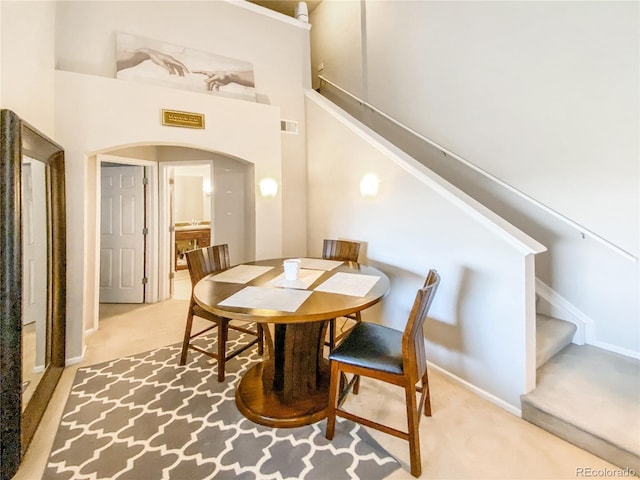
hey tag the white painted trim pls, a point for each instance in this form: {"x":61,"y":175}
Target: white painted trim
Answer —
{"x":151,"y":258}
{"x":616,"y":349}
{"x":165,"y":252}
{"x":520,"y":240}
{"x":583,"y":231}
{"x":73,"y":360}
{"x":478,"y":391}
{"x":585,"y":332}
{"x":270,"y":13}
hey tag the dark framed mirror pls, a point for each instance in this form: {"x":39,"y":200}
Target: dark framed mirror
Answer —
{"x":32,"y":282}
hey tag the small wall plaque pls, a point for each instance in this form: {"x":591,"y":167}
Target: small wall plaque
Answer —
{"x":175,"y":118}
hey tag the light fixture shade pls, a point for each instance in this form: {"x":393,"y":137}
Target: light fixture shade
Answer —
{"x":302,"y":12}
{"x":369,"y":185}
{"x":206,"y":186}
{"x":268,"y":187}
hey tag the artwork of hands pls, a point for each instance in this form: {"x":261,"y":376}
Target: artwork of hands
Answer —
{"x":217,"y":79}
{"x":167,"y":62}
{"x":213,"y":79}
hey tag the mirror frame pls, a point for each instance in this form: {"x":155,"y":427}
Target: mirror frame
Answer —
{"x":17,"y":426}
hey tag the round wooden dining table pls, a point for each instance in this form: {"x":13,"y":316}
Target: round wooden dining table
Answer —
{"x":289,"y":387}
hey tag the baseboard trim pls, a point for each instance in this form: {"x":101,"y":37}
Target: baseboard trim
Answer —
{"x":78,"y":359}
{"x":478,"y":391}
{"x":615,"y":349}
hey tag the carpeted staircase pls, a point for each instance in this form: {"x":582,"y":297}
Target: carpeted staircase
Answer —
{"x":586,"y":395}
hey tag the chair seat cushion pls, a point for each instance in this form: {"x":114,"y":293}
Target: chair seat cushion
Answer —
{"x":372,"y":346}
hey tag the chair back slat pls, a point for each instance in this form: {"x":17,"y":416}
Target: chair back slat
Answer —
{"x":413,"y":351}
{"x":344,"y":250}
{"x":203,"y":261}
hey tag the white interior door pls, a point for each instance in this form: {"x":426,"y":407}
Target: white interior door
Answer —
{"x":34,"y":255}
{"x":122,"y":234}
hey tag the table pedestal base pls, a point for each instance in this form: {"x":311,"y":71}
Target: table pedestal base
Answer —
{"x":266,"y":407}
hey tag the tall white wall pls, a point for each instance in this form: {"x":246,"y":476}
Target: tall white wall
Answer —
{"x":278,"y":49}
{"x":482,"y":319}
{"x":541,"y":95}
{"x":27,"y":57}
{"x":88,"y":124}
{"x":518,"y":88}
{"x":83,"y":35}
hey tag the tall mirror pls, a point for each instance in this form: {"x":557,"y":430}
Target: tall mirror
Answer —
{"x":33,"y":282}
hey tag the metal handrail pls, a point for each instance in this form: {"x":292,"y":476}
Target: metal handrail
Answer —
{"x":585,"y":232}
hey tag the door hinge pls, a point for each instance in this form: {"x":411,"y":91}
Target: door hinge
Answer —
{"x":145,"y":231}
{"x":172,"y":228}
{"x":145,"y":181}
{"x":145,"y":280}
{"x":172,"y":275}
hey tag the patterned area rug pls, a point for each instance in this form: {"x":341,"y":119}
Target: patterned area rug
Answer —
{"x":145,"y":417}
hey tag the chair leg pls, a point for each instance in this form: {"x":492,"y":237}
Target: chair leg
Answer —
{"x":333,"y":397}
{"x":332,"y":334}
{"x":426,"y":394}
{"x":223,"y":334}
{"x":187,"y":335}
{"x":413,"y":430}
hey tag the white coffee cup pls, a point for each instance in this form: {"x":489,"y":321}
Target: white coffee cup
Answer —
{"x":291,"y":269}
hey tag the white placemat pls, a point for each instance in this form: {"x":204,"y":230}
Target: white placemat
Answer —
{"x":354,"y":284}
{"x":284,"y":299}
{"x":240,"y":274}
{"x":304,"y":281}
{"x":320,"y":264}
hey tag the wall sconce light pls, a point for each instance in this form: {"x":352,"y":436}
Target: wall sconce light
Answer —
{"x":369,"y":185}
{"x":268,"y":187}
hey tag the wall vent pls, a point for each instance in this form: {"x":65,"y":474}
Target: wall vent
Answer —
{"x":289,"y":126}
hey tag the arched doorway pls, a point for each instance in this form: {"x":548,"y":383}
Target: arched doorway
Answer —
{"x":231,"y":202}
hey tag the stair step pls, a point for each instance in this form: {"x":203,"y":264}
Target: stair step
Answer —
{"x":591,"y":398}
{"x":552,"y":335}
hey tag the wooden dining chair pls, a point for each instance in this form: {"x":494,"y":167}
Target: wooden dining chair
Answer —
{"x":346,"y":251}
{"x":391,"y":356}
{"x":202,"y":262}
